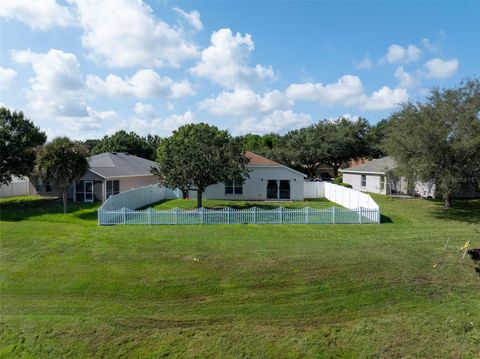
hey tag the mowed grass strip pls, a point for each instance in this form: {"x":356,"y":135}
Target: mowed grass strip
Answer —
{"x":70,"y":288}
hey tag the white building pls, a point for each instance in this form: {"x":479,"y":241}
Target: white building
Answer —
{"x":268,"y":180}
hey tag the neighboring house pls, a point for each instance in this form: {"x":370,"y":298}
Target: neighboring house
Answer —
{"x":268,"y":180}
{"x":109,"y":173}
{"x":376,"y":177}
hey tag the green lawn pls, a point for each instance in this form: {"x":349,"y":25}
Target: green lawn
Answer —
{"x":72,"y":289}
{"x":192,"y":203}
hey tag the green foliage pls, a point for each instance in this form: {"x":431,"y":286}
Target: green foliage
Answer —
{"x":90,"y":144}
{"x":338,"y":179}
{"x":439,"y":140}
{"x":199,"y":155}
{"x":130,"y":142}
{"x":348,"y":185}
{"x":260,"y":144}
{"x":72,"y":289}
{"x":376,"y":136}
{"x":62,"y":161}
{"x":19,"y":138}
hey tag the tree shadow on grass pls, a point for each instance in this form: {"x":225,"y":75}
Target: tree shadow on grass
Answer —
{"x":21,"y":210}
{"x":385,"y":219}
{"x":463,"y":210}
{"x":475,"y":255}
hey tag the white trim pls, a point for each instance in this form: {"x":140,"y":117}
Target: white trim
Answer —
{"x":127,"y":176}
{"x":362,"y":172}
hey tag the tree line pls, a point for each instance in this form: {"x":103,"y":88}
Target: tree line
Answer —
{"x":436,"y":140}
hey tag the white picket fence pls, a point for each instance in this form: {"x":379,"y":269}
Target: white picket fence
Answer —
{"x":252,"y":215}
{"x":122,"y":208}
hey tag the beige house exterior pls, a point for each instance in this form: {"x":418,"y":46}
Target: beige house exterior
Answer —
{"x":109,"y":173}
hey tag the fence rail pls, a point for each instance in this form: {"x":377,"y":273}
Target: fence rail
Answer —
{"x":252,"y":215}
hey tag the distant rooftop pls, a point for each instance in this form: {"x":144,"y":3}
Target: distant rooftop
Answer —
{"x":260,"y":160}
{"x":118,"y":164}
{"x":379,"y":165}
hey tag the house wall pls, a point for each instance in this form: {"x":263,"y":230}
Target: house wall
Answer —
{"x":127,"y":183}
{"x":255,"y":187}
{"x":372,"y":183}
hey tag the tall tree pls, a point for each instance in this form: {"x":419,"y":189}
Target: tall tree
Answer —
{"x":344,"y":140}
{"x":19,"y":138}
{"x":62,"y":162}
{"x":439,"y":140}
{"x":375,"y":137}
{"x":130,"y":142}
{"x":199,"y":155}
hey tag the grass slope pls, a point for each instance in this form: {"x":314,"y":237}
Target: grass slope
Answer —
{"x":72,"y":289}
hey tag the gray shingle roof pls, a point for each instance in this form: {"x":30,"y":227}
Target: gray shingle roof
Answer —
{"x":379,"y":165}
{"x":116,"y":164}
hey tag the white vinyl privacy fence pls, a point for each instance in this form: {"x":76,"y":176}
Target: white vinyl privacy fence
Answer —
{"x":123,"y":209}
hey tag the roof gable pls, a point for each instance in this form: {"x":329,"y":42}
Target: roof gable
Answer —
{"x":260,"y":161}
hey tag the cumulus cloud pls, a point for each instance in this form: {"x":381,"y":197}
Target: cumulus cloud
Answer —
{"x":397,"y":53}
{"x":145,"y":120}
{"x":347,"y":91}
{"x":57,"y":87}
{"x":124,"y":33}
{"x":365,"y":64}
{"x":7,"y":77}
{"x":438,"y":68}
{"x":37,"y":14}
{"x":144,"y":83}
{"x":245,"y":102}
{"x":405,"y":78}
{"x":225,"y":61}
{"x":193,"y":18}
{"x":277,"y":121}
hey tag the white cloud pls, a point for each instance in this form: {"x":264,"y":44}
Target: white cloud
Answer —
{"x":225,"y":62}
{"x":245,"y":102}
{"x":143,"y":84}
{"x":278,"y":121}
{"x":57,"y":87}
{"x":405,"y":78}
{"x":193,"y":18}
{"x":37,"y":14}
{"x":347,"y":116}
{"x":348,"y":90}
{"x":7,"y":77}
{"x":385,"y":98}
{"x":438,"y":68}
{"x":123,"y":33}
{"x":146,"y":121}
{"x":397,"y":53}
{"x":365,"y":64}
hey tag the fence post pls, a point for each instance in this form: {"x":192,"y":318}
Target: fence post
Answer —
{"x":200,"y":211}
{"x":280,"y":214}
{"x":228,"y":214}
{"x":307,"y":214}
{"x":176,"y":215}
{"x":254,"y":214}
{"x":99,"y":216}
{"x":359,"y":214}
{"x":124,"y":215}
{"x":150,"y":215}
{"x":333,"y":214}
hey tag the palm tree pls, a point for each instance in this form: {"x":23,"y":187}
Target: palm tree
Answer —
{"x":62,"y":161}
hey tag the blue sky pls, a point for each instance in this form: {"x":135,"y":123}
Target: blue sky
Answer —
{"x":88,"y":68}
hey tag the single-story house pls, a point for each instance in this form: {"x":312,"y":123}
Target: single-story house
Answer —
{"x":376,"y":177}
{"x":109,"y":173}
{"x":268,"y":180}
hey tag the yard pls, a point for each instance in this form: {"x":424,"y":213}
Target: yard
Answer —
{"x":70,"y":288}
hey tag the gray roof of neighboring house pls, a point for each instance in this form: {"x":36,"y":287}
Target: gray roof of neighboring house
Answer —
{"x":379,"y":165}
{"x":119,"y":164}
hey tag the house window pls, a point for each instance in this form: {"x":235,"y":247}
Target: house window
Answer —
{"x":42,"y":186}
{"x":382,"y":183}
{"x":113,"y":187}
{"x":364,"y":181}
{"x":234,"y":187}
